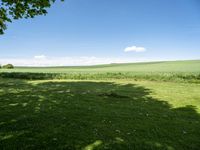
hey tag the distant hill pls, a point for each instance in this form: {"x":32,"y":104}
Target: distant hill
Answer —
{"x":162,"y":66}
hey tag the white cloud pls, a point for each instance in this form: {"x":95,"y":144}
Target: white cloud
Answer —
{"x":135,"y":49}
{"x":40,"y":57}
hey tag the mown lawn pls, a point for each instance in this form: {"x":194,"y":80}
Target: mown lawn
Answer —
{"x":91,"y":115}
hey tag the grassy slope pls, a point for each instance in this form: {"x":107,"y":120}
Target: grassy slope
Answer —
{"x":192,"y":66}
{"x":95,"y":114}
{"x":176,"y":71}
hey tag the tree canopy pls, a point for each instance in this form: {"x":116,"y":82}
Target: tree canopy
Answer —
{"x":17,"y":9}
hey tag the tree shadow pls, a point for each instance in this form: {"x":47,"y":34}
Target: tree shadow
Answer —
{"x":92,"y":115}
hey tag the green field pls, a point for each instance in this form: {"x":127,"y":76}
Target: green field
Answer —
{"x":176,"y":71}
{"x":118,"y":106}
{"x":191,"y":66}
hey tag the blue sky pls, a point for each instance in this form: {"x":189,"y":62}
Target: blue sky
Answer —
{"x":85,"y":32}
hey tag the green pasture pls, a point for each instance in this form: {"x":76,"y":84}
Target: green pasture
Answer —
{"x":89,"y":115}
{"x":175,"y":71}
{"x":191,"y":66}
{"x":150,"y":106}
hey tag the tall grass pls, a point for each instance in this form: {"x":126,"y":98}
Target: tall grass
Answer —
{"x":175,"y":77}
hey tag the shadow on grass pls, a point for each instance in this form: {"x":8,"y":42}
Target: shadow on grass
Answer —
{"x":92,"y":115}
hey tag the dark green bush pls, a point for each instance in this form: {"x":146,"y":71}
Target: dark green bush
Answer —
{"x":8,"y":66}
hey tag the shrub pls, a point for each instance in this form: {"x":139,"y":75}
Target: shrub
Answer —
{"x":8,"y":66}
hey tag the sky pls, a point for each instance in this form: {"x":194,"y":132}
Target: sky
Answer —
{"x":89,"y":32}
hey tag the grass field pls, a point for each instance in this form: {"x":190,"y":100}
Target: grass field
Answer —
{"x":191,"y":66}
{"x":104,"y":113}
{"x":176,"y":71}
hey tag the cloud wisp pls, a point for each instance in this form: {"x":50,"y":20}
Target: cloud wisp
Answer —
{"x":39,"y":57}
{"x":134,"y":49}
{"x":42,"y":60}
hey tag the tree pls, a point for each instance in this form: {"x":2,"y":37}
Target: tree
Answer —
{"x":8,"y":66}
{"x":17,"y":9}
